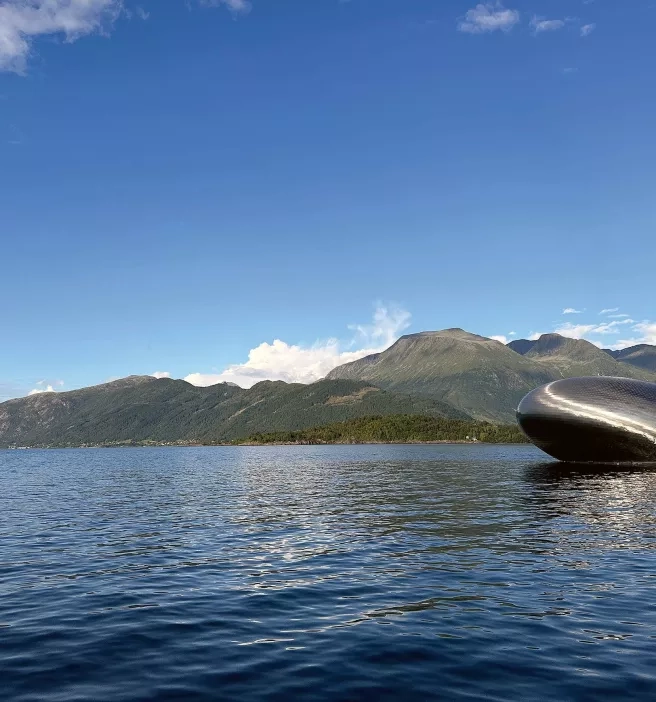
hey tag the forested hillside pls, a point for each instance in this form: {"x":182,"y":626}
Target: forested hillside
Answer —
{"x":142,"y":409}
{"x":394,"y":429}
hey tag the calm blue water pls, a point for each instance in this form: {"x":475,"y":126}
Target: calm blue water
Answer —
{"x":327,"y":573}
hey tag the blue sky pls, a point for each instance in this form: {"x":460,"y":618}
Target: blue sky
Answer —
{"x":182,"y":183}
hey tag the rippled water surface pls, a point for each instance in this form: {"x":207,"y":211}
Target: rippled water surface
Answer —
{"x":337,"y":573}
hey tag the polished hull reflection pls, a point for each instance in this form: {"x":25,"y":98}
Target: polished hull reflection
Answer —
{"x":592,"y":420}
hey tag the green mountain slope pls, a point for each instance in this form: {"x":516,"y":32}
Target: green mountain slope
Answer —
{"x":575,"y":357}
{"x":482,"y":377}
{"x":642,"y":356}
{"x":569,"y":351}
{"x":142,"y":409}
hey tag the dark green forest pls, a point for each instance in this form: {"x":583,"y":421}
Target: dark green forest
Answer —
{"x":394,"y":429}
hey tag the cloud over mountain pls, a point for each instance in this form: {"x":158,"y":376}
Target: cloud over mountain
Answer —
{"x":294,"y":363}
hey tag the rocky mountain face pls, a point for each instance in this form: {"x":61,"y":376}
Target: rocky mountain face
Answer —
{"x":480,"y":376}
{"x":143,"y":408}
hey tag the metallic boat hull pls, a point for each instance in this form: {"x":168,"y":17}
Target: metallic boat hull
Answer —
{"x":595,"y":419}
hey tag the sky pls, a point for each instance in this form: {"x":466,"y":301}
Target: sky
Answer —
{"x":223,"y":190}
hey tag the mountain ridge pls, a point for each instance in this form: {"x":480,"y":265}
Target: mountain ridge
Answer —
{"x":640,"y":355}
{"x":169,"y":410}
{"x":449,"y":373}
{"x":482,"y":376}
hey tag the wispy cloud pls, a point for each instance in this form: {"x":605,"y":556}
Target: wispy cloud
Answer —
{"x":21,"y":21}
{"x":646,"y":335}
{"x":24,"y":21}
{"x":237,"y":6}
{"x":572,"y":310}
{"x":488,"y":17}
{"x":619,"y":330}
{"x":541,"y":24}
{"x":16,"y":136}
{"x":587,"y":29}
{"x":304,"y":364}
{"x":161,"y":374}
{"x":580,"y":331}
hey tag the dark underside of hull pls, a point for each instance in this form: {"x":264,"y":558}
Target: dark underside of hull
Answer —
{"x":582,"y":443}
{"x":592,"y":420}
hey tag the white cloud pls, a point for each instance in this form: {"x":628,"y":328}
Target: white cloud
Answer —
{"x":21,"y":21}
{"x":503,"y":338}
{"x":237,"y":6}
{"x":38,"y":391}
{"x":575,"y":331}
{"x":587,"y":29}
{"x":540,"y":24}
{"x":161,"y":374}
{"x":571,"y":310}
{"x":644,"y":332}
{"x":647,"y":332}
{"x":488,"y":17}
{"x":581,"y":331}
{"x":46,"y":386}
{"x":305,"y":364}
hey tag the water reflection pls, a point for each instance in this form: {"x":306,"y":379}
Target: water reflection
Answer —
{"x":323,"y":572}
{"x":603,"y":507}
{"x":558,"y":471}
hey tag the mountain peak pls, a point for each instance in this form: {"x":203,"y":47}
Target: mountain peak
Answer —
{"x":553,"y":344}
{"x":452,"y":333}
{"x":128,"y":381}
{"x":558,"y":345}
{"x":641,"y":356}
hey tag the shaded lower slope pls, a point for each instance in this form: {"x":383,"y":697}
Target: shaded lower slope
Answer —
{"x":394,"y":429}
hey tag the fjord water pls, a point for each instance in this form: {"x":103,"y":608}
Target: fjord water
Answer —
{"x":328,"y":573}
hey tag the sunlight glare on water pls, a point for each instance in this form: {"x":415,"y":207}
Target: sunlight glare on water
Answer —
{"x":355,"y":572}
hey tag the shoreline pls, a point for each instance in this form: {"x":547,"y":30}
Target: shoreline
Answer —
{"x":265,"y":443}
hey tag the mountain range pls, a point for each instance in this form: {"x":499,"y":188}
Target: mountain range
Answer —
{"x":450,"y":374}
{"x":641,"y":356}
{"x":143,"y":409}
{"x":481,"y":376}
